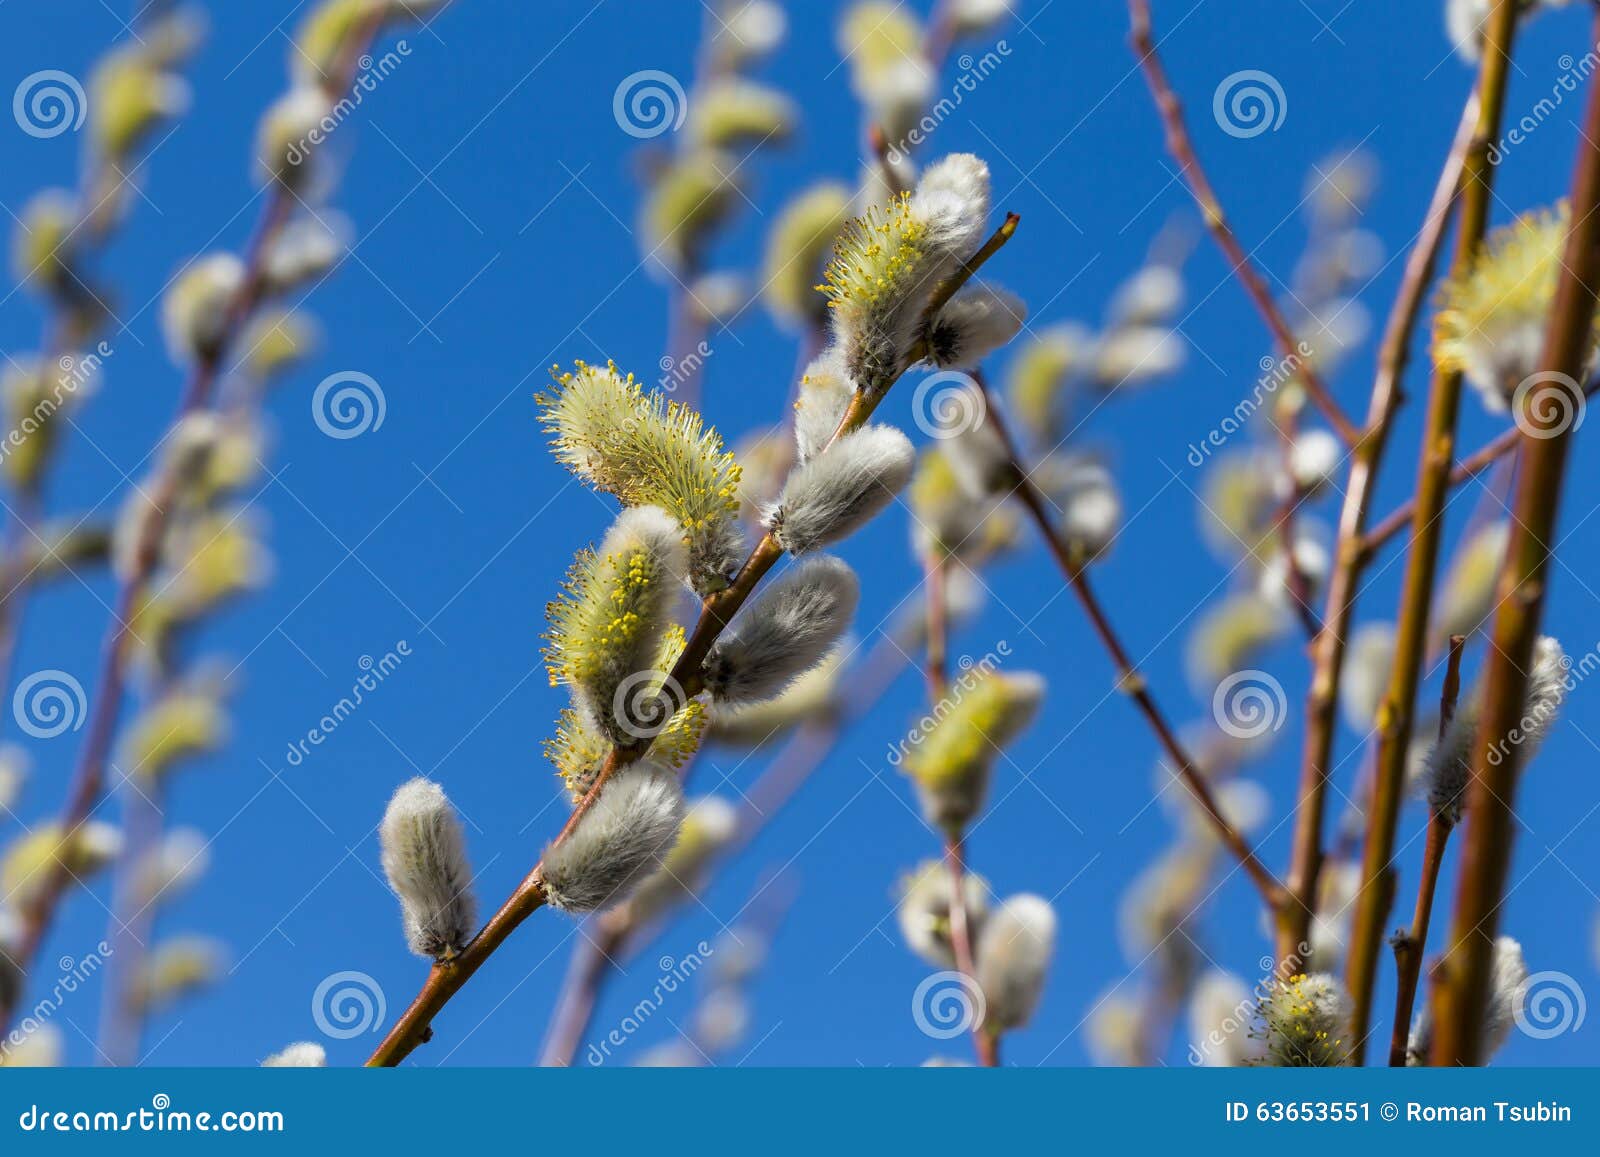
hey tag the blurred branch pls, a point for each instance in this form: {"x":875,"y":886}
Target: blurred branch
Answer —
{"x":1181,"y":146}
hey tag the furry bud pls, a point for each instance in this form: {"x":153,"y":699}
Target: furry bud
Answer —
{"x":826,"y":392}
{"x":621,"y":839}
{"x":977,"y":321}
{"x":425,"y":860}
{"x":300,"y":1055}
{"x":841,"y":489}
{"x":784,"y":633}
{"x":797,"y":253}
{"x":194,"y":313}
{"x":1306,"y":1022}
{"x":951,"y":763}
{"x":290,"y":132}
{"x":1013,"y":957}
{"x":924,"y":911}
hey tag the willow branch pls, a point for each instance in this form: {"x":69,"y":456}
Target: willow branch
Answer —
{"x":1463,"y":985}
{"x":1329,"y":648}
{"x":1129,"y":679}
{"x":88,"y":781}
{"x":1181,"y":146}
{"x":1396,"y":712}
{"x":1410,"y":946}
{"x":445,"y":979}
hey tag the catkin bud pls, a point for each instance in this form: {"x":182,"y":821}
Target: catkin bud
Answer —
{"x":784,"y":633}
{"x":826,"y":392}
{"x":951,"y":764}
{"x":976,"y":322}
{"x":1448,"y":768}
{"x":291,"y":131}
{"x":1306,"y":1022}
{"x":300,"y":1055}
{"x":194,"y":313}
{"x":620,"y":840}
{"x":840,"y":489}
{"x":1013,"y":956}
{"x":924,"y":911}
{"x":797,"y":252}
{"x":425,"y":860}
{"x":709,"y":825}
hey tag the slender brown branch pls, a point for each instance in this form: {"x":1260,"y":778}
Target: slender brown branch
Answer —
{"x":1462,"y":990}
{"x":444,"y":980}
{"x":937,"y":664}
{"x":1181,"y":146}
{"x":1329,"y":649}
{"x":1396,"y":713}
{"x":1129,"y":679}
{"x":1410,"y":946}
{"x":88,"y":780}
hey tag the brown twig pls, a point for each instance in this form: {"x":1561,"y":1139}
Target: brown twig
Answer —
{"x":1329,"y":649}
{"x":1410,"y":946}
{"x":445,"y":979}
{"x":1129,"y":680}
{"x":1463,"y":985}
{"x":1396,"y":713}
{"x":1181,"y":146}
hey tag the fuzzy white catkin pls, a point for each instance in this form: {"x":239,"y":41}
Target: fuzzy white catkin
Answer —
{"x":924,"y":911}
{"x":784,"y":633}
{"x":1449,"y":764}
{"x":1366,"y":674}
{"x":618,"y":842}
{"x":976,"y":322}
{"x":825,"y":393}
{"x":300,"y":1055}
{"x":1508,"y":980}
{"x":1013,"y":955}
{"x":978,"y":456}
{"x":194,"y":311}
{"x":952,"y":202}
{"x":425,"y":860}
{"x":840,"y":489}
{"x":1219,"y":1022}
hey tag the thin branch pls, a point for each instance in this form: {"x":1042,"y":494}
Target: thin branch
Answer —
{"x":1129,"y":680}
{"x":1464,"y":975}
{"x":1396,"y":713}
{"x":1181,"y":146}
{"x":445,"y":979}
{"x":1329,"y":649}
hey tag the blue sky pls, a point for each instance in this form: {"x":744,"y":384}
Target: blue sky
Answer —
{"x":493,"y":198}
